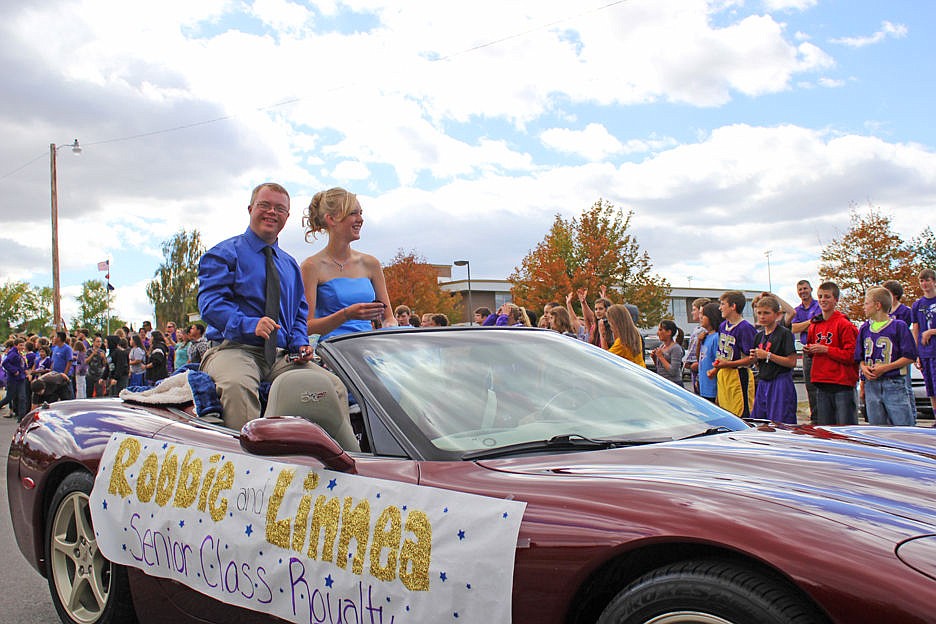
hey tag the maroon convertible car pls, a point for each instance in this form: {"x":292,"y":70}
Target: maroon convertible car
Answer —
{"x":644,"y":503}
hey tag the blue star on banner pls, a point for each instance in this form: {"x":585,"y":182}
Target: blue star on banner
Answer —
{"x":329,"y":581}
{"x":461,"y":534}
{"x":332,"y":484}
{"x":181,"y":524}
{"x":443,"y":576}
{"x":248,"y":530}
{"x":104,"y":503}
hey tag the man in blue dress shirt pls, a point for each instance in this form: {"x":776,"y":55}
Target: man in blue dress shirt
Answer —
{"x":232,"y":287}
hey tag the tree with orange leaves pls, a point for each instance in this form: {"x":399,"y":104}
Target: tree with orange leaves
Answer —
{"x":587,"y":252}
{"x":413,"y":282}
{"x":868,"y":254}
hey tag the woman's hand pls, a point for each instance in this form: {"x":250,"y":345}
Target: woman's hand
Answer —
{"x":368,"y":311}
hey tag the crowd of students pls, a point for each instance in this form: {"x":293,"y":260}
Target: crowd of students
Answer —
{"x":38,"y":369}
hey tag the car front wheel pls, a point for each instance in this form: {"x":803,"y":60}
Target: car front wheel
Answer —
{"x":86,"y":588}
{"x":708,"y":592}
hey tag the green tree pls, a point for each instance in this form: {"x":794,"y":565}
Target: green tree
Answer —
{"x":174,"y":288}
{"x":13,"y":307}
{"x":94,"y":303}
{"x":594,"y":249}
{"x":868,"y":254}
{"x":924,"y":246}
{"x":37,"y":307}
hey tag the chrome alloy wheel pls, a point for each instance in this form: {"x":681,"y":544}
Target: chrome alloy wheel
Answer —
{"x":82,"y":576}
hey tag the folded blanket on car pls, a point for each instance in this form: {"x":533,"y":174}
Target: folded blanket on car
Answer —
{"x":182,"y":388}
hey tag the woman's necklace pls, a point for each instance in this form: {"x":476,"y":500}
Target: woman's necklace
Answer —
{"x":340,"y":265}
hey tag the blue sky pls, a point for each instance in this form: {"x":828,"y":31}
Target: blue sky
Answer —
{"x":730,"y":128}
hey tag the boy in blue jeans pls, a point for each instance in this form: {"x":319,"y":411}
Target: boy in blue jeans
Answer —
{"x":885,"y":349}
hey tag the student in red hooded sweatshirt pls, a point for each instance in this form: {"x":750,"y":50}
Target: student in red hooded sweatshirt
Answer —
{"x":831,"y":343}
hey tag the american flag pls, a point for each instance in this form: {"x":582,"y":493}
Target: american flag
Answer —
{"x":103,"y":266}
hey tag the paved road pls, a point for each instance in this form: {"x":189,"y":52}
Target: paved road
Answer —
{"x":25,"y":596}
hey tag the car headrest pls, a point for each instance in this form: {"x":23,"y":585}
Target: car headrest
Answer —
{"x":317,"y":395}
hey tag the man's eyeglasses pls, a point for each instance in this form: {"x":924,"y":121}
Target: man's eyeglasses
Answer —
{"x":266,"y":206}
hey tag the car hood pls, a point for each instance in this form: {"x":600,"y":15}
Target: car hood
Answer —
{"x":873,"y":478}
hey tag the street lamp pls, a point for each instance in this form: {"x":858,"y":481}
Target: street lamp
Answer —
{"x":769,"y":281}
{"x":56,"y":285}
{"x":470,"y":314}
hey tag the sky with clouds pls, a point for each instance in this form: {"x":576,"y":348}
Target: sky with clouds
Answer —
{"x":730,"y":128}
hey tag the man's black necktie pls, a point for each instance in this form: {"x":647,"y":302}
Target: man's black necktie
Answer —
{"x":272,"y":305}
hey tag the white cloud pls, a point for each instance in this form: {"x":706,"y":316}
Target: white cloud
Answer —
{"x":789,"y":5}
{"x":594,"y":142}
{"x":351,"y":170}
{"x":831,"y":82}
{"x":888,"y":30}
{"x":280,"y":15}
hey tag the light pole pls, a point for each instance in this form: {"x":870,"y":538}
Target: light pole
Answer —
{"x":56,"y":285}
{"x":769,"y":281}
{"x":470,"y":314}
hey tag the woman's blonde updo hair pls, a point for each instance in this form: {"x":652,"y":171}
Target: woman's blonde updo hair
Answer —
{"x":336,"y":202}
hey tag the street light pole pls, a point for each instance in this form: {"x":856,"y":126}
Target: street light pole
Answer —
{"x":470,"y":311}
{"x":56,"y":284}
{"x":769,"y":281}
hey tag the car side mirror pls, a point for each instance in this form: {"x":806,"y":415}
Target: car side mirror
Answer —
{"x":291,"y":435}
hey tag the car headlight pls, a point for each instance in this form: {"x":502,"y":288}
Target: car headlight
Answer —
{"x":920,"y":554}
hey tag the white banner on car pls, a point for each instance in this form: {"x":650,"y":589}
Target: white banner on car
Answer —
{"x":304,"y":544}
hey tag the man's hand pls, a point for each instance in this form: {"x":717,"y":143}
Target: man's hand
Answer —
{"x":813,"y":349}
{"x":306,"y":354}
{"x":925,"y":336}
{"x":265,"y":327}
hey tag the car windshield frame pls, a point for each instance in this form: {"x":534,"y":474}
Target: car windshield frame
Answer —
{"x":453,"y":393}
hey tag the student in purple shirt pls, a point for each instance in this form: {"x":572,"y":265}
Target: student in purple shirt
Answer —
{"x":924,"y":331}
{"x":799,"y":324}
{"x":14,"y":365}
{"x":903,"y":313}
{"x":885,"y":348}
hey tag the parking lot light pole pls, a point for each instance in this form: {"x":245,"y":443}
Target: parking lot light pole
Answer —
{"x":470,"y":313}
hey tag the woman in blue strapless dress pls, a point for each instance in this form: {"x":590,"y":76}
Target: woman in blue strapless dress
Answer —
{"x":345,"y":288}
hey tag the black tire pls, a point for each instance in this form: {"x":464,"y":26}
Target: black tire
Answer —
{"x":708,"y":592}
{"x":86,"y":588}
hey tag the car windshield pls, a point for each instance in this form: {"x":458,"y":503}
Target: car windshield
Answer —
{"x":470,"y":390}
